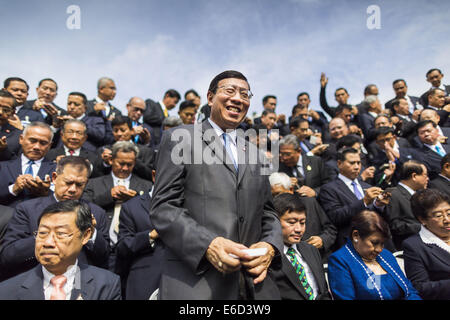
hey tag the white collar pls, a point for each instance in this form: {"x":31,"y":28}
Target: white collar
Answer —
{"x":116,"y":178}
{"x":293,"y":246}
{"x":448,"y":179}
{"x":411,"y":191}
{"x":373,"y":114}
{"x":25,"y":160}
{"x":75,"y":151}
{"x":219,"y":131}
{"x":163,"y":105}
{"x":430,"y":238}
{"x":69,"y":274}
{"x":346,"y":180}
{"x":433,"y":146}
{"x":101,"y":101}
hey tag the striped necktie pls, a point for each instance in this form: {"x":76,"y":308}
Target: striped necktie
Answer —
{"x":300,"y":271}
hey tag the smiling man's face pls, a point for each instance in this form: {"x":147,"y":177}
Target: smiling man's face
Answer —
{"x":229,"y":110}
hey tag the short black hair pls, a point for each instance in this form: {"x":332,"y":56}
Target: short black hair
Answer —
{"x":399,"y":80}
{"x":342,"y":154}
{"x":296,"y":122}
{"x":431,"y":70}
{"x":173,"y":94}
{"x":79,"y":94}
{"x":367,"y":88}
{"x":341,"y":88}
{"x":6,"y":94}
{"x":267,"y":98}
{"x":8,"y":81}
{"x":226,"y":75}
{"x":342,"y":107}
{"x":383,"y":131}
{"x":396,"y":102}
{"x":425,"y":200}
{"x":302,"y":94}
{"x":287,"y":202}
{"x":186,"y":104}
{"x":82,"y":209}
{"x":48,"y":79}
{"x":347,"y":141}
{"x":424,"y":123}
{"x":445,"y":159}
{"x":191,"y":91}
{"x":75,"y":161}
{"x":120,"y":120}
{"x":410,"y":167}
{"x":267,"y":111}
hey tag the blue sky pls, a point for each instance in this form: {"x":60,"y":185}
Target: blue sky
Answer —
{"x":282,"y":46}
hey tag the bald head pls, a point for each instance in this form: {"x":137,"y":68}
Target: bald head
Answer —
{"x":135,"y":108}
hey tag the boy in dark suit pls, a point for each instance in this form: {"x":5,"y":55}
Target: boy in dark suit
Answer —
{"x":301,"y":276}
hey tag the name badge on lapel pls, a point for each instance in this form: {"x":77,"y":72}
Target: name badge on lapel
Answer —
{"x":308,"y":168}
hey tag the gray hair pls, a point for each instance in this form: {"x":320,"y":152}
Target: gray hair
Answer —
{"x":280,"y":178}
{"x":370,"y":99}
{"x":172,"y":122}
{"x":290,"y":139}
{"x":38,"y":124}
{"x":102,"y":82}
{"x":125,"y":147}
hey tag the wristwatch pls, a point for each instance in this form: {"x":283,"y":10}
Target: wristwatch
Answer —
{"x":151,"y":241}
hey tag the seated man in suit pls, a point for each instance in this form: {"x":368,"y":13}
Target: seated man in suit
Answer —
{"x":111,"y":190}
{"x":433,"y":150}
{"x":434,"y":77}
{"x":320,"y":232}
{"x":436,"y":101}
{"x":69,"y":180}
{"x":301,"y":276}
{"x":413,"y":177}
{"x":135,"y":109}
{"x":19,"y":89}
{"x":155,"y":112}
{"x":139,"y":249}
{"x":401,"y":89}
{"x":123,"y":130}
{"x":76,"y":109}
{"x":9,"y":134}
{"x":28,"y":176}
{"x":73,"y":137}
{"x":344,"y":197}
{"x":63,"y":229}
{"x":442,"y":181}
{"x":310,"y":172}
{"x":101,"y":106}
{"x":46,"y":93}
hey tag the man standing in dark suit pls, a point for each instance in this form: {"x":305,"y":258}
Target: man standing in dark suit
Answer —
{"x":110,"y":191}
{"x":69,"y":181}
{"x":346,"y":196}
{"x":310,"y":171}
{"x":341,"y":95}
{"x":206,"y":210}
{"x":28,"y":176}
{"x":401,"y":89}
{"x":63,"y":228}
{"x":19,"y":89}
{"x":442,"y":181}
{"x":9,"y":135}
{"x":101,"y":106}
{"x":401,"y":220}
{"x":433,"y":150}
{"x":73,"y":137}
{"x":144,"y":133}
{"x":367,"y":119}
{"x":156,"y":112}
{"x":302,"y":276}
{"x":46,"y":92}
{"x":436,"y":102}
{"x":317,"y":120}
{"x":434,"y":77}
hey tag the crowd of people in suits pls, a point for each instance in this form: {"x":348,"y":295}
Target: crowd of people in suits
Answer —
{"x":89,"y":193}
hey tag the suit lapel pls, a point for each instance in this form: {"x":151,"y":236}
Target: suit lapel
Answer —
{"x":404,"y":192}
{"x":311,"y":261}
{"x":243,"y":152}
{"x":33,"y":286}
{"x":439,"y":253}
{"x":290,"y":273}
{"x":210,"y":138}
{"x":83,"y":288}
{"x":343,"y":187}
{"x":306,"y":163}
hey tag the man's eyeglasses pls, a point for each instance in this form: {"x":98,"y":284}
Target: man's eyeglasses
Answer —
{"x":136,"y":109}
{"x":62,"y":236}
{"x":230,"y":90}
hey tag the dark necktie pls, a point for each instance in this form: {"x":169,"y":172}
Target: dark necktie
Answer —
{"x":300,"y":271}
{"x":300,"y":177}
{"x":71,"y":152}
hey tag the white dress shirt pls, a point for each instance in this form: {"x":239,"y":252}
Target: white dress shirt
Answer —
{"x":348,"y":183}
{"x":107,"y":107}
{"x":68,"y":286}
{"x":433,"y":146}
{"x":24,"y":165}
{"x":231,"y":134}
{"x":76,"y":152}
{"x":410,"y":191}
{"x":309,"y":275}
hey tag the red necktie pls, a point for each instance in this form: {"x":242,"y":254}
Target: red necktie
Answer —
{"x":58,"y":292}
{"x":71,"y":152}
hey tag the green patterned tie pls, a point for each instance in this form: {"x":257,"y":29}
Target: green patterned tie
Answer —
{"x":301,"y":273}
